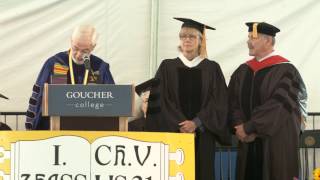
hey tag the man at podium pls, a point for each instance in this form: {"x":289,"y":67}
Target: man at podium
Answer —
{"x":74,"y":66}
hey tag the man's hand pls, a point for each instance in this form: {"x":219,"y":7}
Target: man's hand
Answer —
{"x":187,"y":126}
{"x":243,"y":136}
{"x":250,"y":138}
{"x":240,"y":133}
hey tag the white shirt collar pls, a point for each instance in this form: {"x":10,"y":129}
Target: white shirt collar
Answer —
{"x":273,"y":53}
{"x":193,"y":63}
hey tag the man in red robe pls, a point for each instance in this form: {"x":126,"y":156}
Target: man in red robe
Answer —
{"x":267,"y":106}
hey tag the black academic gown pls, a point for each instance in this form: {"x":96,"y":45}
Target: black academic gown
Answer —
{"x":267,"y":103}
{"x":137,"y":124}
{"x":189,"y":93}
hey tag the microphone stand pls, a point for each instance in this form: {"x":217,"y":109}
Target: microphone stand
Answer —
{"x":88,"y":67}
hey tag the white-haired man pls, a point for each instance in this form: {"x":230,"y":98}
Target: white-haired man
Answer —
{"x":68,"y":68}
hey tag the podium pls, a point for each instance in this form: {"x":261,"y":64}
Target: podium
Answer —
{"x":95,"y":107}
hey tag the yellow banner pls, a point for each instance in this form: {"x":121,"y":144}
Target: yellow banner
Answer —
{"x":96,"y":155}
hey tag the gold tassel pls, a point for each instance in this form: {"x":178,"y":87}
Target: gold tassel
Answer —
{"x":255,"y":30}
{"x":203,"y":48}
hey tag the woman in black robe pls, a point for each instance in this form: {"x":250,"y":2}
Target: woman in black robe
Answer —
{"x":191,"y":98}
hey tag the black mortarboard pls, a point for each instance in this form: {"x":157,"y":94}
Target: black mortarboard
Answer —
{"x":263,"y":28}
{"x":194,"y":24}
{"x":147,"y":85}
{"x":4,"y":97}
{"x":201,"y":28}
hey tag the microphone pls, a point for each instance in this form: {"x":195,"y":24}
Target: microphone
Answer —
{"x":87,"y":65}
{"x":86,"y":60}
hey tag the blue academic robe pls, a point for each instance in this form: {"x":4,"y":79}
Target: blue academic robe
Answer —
{"x":58,"y":66}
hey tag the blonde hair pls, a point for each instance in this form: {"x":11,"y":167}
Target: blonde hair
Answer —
{"x":85,"y":31}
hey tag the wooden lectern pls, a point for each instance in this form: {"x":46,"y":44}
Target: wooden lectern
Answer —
{"x":102,"y":107}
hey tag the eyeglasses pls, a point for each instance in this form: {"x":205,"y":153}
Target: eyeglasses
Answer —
{"x":185,"y":36}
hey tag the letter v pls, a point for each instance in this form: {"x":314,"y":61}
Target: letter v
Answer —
{"x":136,"y":149}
